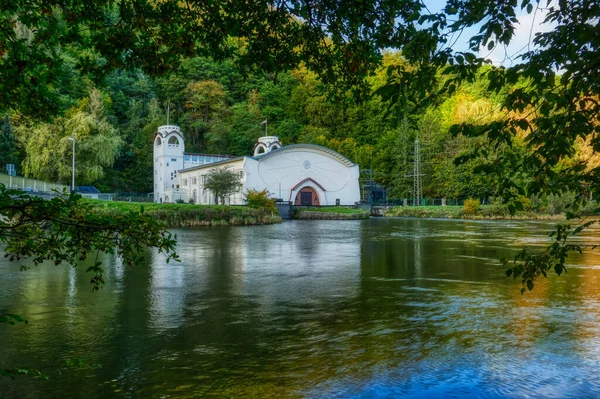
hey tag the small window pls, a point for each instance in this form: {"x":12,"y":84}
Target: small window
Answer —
{"x":194,"y":181}
{"x":178,"y":187}
{"x":167,"y":164}
{"x":185,"y":182}
{"x":158,"y":142}
{"x":203,"y":179}
{"x":172,"y":186}
{"x":173,"y":159}
{"x":241,"y":174}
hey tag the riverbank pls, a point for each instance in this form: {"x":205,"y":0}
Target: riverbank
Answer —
{"x":330,"y":213}
{"x":189,"y":215}
{"x":485,"y":212}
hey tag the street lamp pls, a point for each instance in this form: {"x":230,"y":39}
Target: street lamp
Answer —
{"x":73,"y":177}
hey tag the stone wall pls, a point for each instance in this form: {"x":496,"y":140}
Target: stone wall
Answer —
{"x":330,"y":216}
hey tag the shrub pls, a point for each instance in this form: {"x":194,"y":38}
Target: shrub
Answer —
{"x":559,"y":203}
{"x":471,"y":206}
{"x":498,"y":208}
{"x":260,"y":200}
{"x":526,"y":203}
{"x":180,"y":201}
{"x":590,"y":209}
{"x":191,"y":201}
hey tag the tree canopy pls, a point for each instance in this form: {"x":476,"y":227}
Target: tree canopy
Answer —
{"x":364,"y":79}
{"x":222,"y":182}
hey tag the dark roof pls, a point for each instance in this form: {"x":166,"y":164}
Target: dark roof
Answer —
{"x":206,"y":165}
{"x":209,"y":155}
{"x":87,"y":189}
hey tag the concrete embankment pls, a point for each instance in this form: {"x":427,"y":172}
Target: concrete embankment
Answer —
{"x":313,"y":215}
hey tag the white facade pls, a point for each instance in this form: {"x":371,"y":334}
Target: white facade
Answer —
{"x":169,"y":159}
{"x":305,"y":174}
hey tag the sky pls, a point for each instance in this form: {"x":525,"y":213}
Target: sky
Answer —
{"x":529,"y":25}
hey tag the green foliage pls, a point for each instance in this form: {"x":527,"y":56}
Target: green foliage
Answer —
{"x":559,"y":203}
{"x":526,"y":203}
{"x":260,"y":200}
{"x":504,"y":132}
{"x":222,"y":182}
{"x":49,"y":152}
{"x":471,"y":206}
{"x":11,"y":319}
{"x":529,"y":265}
{"x":8,"y":147}
{"x":189,"y":215}
{"x":66,"y":230}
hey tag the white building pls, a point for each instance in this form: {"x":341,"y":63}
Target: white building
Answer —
{"x":305,"y":174}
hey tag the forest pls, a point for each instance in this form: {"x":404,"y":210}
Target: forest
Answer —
{"x":105,"y":73}
{"x":219,"y":109}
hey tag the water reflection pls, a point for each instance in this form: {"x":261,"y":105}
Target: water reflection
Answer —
{"x":377,"y":308}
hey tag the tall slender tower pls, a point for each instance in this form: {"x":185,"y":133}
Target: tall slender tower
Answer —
{"x":169,"y":147}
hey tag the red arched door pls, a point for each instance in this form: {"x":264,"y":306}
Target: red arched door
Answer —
{"x":307,"y":196}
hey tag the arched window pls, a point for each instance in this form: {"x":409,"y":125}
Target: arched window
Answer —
{"x":275,"y":146}
{"x":158,"y":142}
{"x":173,"y":141}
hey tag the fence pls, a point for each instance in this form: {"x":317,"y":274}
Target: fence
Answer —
{"x":413,"y":202}
{"x":134,"y":197}
{"x":31,"y":185}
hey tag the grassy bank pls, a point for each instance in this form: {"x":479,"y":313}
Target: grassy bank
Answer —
{"x":188,"y":215}
{"x":330,"y":213}
{"x":488,"y":212}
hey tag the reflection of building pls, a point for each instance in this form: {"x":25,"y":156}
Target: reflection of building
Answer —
{"x":306,"y":174}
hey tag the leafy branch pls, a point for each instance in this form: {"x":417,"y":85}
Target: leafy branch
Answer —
{"x":529,"y":265}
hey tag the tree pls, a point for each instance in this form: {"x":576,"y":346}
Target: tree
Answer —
{"x":8,"y":149}
{"x":555,"y":83}
{"x":48,"y":151}
{"x":222,"y":182}
{"x":66,"y":230}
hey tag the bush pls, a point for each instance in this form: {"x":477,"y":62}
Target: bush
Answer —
{"x":471,"y":206}
{"x":260,"y":200}
{"x":191,"y":201}
{"x":559,"y":203}
{"x":526,"y":203}
{"x":180,"y":201}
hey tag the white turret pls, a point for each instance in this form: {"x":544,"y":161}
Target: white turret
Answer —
{"x":169,"y":147}
{"x":266,"y":144}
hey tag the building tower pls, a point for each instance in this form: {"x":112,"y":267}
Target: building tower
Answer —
{"x":266,"y":144}
{"x":169,"y":147}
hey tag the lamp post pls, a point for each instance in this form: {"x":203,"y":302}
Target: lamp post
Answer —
{"x":73,"y":174}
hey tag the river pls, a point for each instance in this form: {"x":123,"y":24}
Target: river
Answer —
{"x":380,"y":308}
